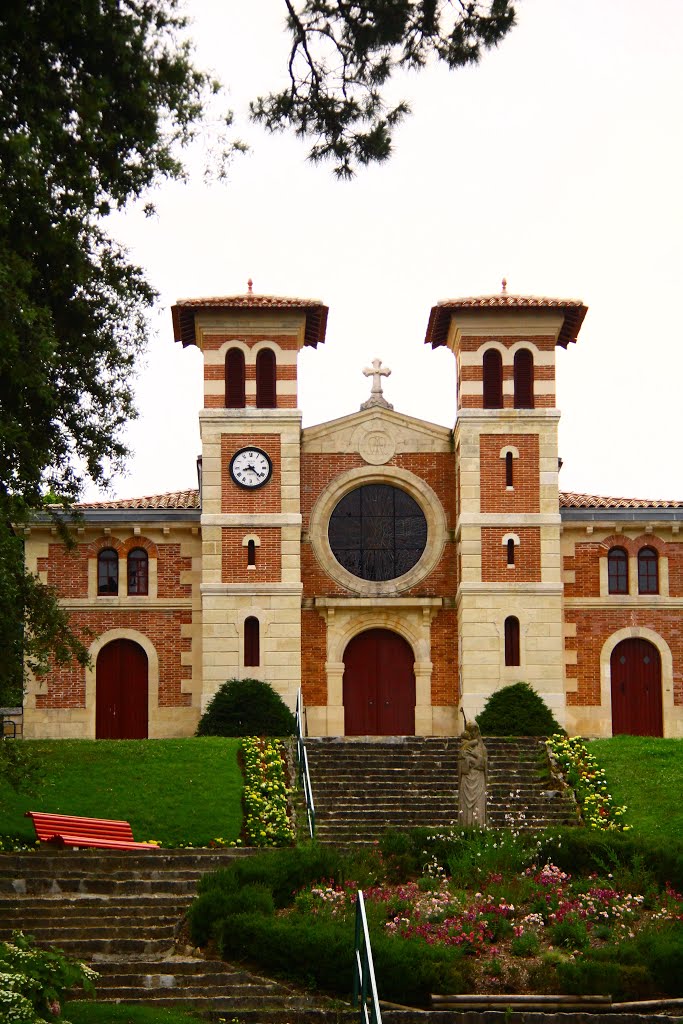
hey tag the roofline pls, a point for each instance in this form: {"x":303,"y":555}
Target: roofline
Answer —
{"x":440,"y":315}
{"x":115,"y":515}
{"x":183,"y":314}
{"x":639,"y":515}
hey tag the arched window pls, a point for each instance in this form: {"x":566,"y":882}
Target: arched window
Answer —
{"x":493,"y":379}
{"x":511,"y":551}
{"x":252,"y":654}
{"x":265,"y":379}
{"x":235,"y":396}
{"x":648,"y":571}
{"x":523,"y":376}
{"x":617,"y":571}
{"x":138,"y":571}
{"x":512,"y":640}
{"x":251,"y":552}
{"x":108,"y":571}
{"x":508,"y":469}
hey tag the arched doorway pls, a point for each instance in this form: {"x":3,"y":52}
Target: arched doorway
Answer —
{"x":636,"y":676}
{"x":121,"y":702}
{"x":379,"y":685}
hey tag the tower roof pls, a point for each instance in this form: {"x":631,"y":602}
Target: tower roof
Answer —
{"x":184,"y":310}
{"x":440,"y":316}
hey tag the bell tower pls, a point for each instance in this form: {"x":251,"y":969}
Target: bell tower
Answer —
{"x":251,"y":515}
{"x":509,"y":596}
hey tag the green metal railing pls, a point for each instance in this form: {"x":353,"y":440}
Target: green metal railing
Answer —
{"x":364,"y":984}
{"x":302,"y":758}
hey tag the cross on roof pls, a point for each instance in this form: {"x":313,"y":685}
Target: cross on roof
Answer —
{"x":376,"y":397}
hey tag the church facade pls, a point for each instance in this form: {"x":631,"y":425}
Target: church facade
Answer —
{"x":397,"y":571}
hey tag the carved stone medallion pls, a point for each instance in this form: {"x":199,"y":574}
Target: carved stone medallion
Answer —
{"x":376,"y":447}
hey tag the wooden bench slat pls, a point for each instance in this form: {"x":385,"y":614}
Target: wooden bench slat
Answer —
{"x":70,"y":830}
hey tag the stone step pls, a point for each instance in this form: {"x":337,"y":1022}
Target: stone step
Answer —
{"x":95,"y":886}
{"x":86,"y":949}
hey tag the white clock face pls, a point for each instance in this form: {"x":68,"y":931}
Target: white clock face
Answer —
{"x":250,"y":467}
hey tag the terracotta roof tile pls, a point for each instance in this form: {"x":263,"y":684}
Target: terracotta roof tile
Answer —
{"x":171,"y":500}
{"x":184,"y":310}
{"x":440,"y":315}
{"x":569,"y":499}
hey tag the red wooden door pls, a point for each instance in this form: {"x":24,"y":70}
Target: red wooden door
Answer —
{"x":636,"y":673}
{"x":379,"y":685}
{"x":121,"y":704}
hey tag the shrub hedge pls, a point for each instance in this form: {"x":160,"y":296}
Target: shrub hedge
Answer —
{"x":246,"y":707}
{"x":517,"y":710}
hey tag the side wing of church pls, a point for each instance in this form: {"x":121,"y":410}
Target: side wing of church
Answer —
{"x":397,"y":571}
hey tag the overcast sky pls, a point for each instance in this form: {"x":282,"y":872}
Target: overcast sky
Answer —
{"x":557,"y":163}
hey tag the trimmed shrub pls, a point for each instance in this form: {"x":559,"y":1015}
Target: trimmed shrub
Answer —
{"x":516,"y":710}
{"x":246,"y":707}
{"x":217,"y":905}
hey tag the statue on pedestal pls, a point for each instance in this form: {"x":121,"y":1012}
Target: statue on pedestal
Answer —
{"x":472,"y":778}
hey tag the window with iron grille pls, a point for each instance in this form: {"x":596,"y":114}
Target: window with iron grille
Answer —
{"x":265,"y":379}
{"x":493,"y":379}
{"x":523,"y":377}
{"x":377,"y":532}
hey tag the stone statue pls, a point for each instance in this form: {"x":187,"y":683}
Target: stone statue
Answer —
{"x":472,"y":777}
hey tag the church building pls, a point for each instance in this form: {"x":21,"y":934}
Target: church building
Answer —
{"x":397,"y":571}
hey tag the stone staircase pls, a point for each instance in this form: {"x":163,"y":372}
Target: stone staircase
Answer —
{"x":362,"y":786}
{"x":122,"y":913}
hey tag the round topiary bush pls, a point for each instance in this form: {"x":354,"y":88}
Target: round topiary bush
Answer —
{"x":246,"y":707}
{"x":517,"y":710}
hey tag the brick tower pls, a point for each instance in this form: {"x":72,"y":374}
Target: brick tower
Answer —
{"x":250,"y":489}
{"x":509,"y":597}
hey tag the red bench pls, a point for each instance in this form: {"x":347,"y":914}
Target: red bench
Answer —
{"x":67,"y":830}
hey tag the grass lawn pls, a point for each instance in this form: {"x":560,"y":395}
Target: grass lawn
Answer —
{"x":646,"y":775}
{"x":185,"y":791}
{"x":112,"y":1013}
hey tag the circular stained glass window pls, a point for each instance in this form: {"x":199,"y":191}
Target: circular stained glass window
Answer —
{"x":377,"y":532}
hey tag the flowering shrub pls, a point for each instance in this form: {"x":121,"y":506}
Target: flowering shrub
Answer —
{"x":265,"y":793}
{"x":33,"y":981}
{"x":582,"y":773}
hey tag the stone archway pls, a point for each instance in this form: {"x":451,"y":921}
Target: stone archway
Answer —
{"x":122,"y":686}
{"x":379,"y":685}
{"x":636,"y":685}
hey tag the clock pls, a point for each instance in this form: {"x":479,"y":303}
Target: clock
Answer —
{"x":250,"y":467}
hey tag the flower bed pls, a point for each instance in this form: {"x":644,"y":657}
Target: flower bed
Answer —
{"x":581,"y":771}
{"x":266,"y":795}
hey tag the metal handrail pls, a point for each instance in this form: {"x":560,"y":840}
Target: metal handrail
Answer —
{"x":364,"y":983}
{"x":302,"y":756}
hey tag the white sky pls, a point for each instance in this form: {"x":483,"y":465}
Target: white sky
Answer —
{"x":557,"y":163}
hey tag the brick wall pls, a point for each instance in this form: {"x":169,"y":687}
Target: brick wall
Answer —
{"x":234,"y":568}
{"x":66,"y":685}
{"x":476,"y":373}
{"x":313,"y":656}
{"x":594,"y":626}
{"x":525,"y":473}
{"x":436,"y":468}
{"x":444,"y":642}
{"x":494,"y":567}
{"x":585,"y":562}
{"x":67,"y":569}
{"x":170,"y":565}
{"x":240,"y":499}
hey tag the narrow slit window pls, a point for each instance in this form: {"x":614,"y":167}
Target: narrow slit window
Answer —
{"x":235,"y":393}
{"x":523,"y":377}
{"x":251,"y":552}
{"x":617,"y":571}
{"x":265,"y":380}
{"x":493,"y":379}
{"x":511,"y":551}
{"x":138,"y":571}
{"x":252,"y":653}
{"x":648,"y":571}
{"x":512,"y":640}
{"x":508,"y":469}
{"x":108,"y":571}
